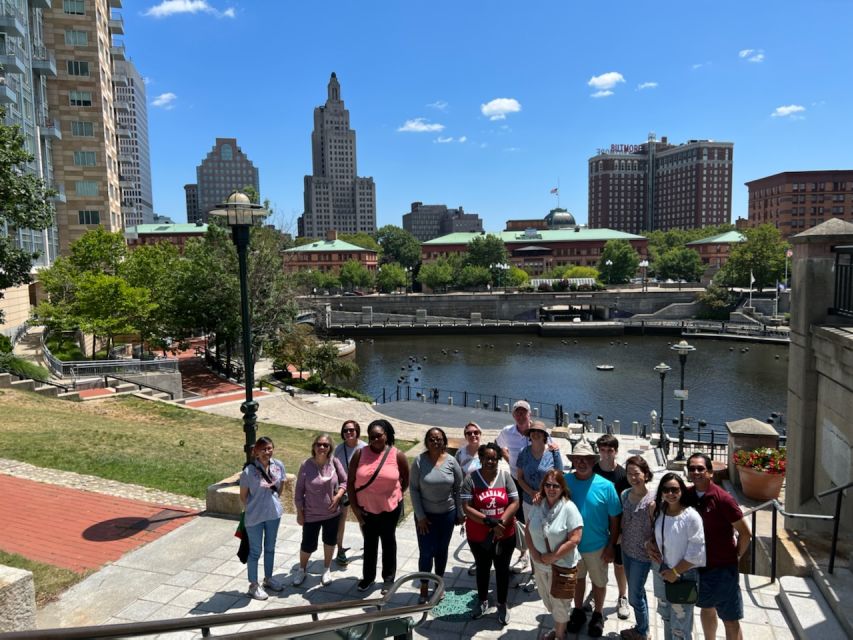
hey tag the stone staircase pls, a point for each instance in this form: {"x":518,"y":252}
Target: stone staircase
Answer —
{"x":115,"y":388}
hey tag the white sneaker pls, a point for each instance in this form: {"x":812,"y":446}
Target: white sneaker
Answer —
{"x":622,"y":610}
{"x":327,"y":577}
{"x":272,"y":584}
{"x":298,"y":576}
{"x":521,"y":565}
{"x":257,"y":592}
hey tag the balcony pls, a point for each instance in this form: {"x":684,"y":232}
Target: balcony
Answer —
{"x":117,"y":50}
{"x":125,"y":157}
{"x":12,"y":59}
{"x":121,"y":105}
{"x":122,"y":130}
{"x":124,"y":182}
{"x":12,"y":21}
{"x":121,"y":80}
{"x":59,"y":195}
{"x":8,"y":90}
{"x":49,"y":128}
{"x":44,"y":63}
{"x":116,"y":25}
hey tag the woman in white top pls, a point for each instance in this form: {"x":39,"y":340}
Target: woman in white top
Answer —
{"x":468,"y":456}
{"x":680,"y":549}
{"x":350,"y":433}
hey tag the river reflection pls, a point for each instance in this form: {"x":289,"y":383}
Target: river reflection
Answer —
{"x":726,"y":380}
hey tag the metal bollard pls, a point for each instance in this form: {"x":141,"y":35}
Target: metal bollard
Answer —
{"x":450,"y":400}
{"x":476,"y":404}
{"x":506,"y":407}
{"x":617,"y":426}
{"x":599,"y":425}
{"x":423,"y":397}
{"x":635,"y":428}
{"x":535,"y":412}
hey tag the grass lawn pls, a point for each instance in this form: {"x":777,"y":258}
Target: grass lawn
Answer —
{"x":137,"y":441}
{"x":50,"y":581}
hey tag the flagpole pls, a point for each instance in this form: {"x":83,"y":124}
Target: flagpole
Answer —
{"x":751,"y":280}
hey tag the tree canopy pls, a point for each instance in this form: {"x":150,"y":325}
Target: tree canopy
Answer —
{"x":679,"y":263}
{"x":486,"y":250}
{"x":398,"y":245}
{"x":762,"y":255}
{"x":618,"y":262}
{"x":390,"y":277}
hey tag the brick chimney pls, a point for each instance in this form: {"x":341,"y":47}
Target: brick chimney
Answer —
{"x":331,"y":235}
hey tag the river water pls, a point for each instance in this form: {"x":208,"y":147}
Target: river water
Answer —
{"x":725,"y":380}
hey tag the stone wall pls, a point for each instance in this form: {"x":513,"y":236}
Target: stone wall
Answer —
{"x":15,"y":305}
{"x":17,"y":600}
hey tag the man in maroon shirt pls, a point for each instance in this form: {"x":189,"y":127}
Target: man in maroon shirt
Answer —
{"x":719,"y":583}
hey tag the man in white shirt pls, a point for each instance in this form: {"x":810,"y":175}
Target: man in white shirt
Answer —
{"x":512,"y":439}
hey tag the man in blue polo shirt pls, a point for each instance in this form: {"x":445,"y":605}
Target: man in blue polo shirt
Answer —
{"x":601,"y":509}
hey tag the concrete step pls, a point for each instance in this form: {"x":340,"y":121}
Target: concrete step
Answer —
{"x":810,"y":614}
{"x":123,"y":387}
{"x":74,"y":396}
{"x":5,"y":380}
{"x":837,"y":589}
{"x":23,"y":385}
{"x":47,"y":390}
{"x":159,"y":395}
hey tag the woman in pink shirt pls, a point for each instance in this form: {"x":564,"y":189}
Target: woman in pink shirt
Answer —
{"x":378,"y":476}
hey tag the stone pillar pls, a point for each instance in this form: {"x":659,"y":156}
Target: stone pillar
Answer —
{"x":420,"y":316}
{"x":476,"y":317}
{"x":367,"y":315}
{"x":17,"y":600}
{"x":748,"y":434}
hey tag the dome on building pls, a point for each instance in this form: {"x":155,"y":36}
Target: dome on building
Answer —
{"x":560,"y":219}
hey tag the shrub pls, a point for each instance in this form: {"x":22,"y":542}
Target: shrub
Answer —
{"x":5,"y":344}
{"x":23,"y":368}
{"x":763,"y":459}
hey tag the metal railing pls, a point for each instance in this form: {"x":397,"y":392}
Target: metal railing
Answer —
{"x":842,"y":300}
{"x":81,"y":368}
{"x":385,"y":621}
{"x":138,"y":384}
{"x":774,"y":527}
{"x":20,"y":376}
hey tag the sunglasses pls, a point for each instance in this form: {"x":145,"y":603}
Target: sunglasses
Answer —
{"x":376,"y":436}
{"x":696,"y":469}
{"x":325,"y":445}
{"x":671,"y":490}
{"x":552,"y":485}
{"x":348,"y":431}
{"x":469,"y":434}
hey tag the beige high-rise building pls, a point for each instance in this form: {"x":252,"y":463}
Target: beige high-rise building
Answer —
{"x":85,"y":161}
{"x":134,"y":157}
{"x":335,"y":197}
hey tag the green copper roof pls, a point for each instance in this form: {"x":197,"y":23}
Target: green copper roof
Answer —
{"x":583,"y":234}
{"x":327,"y":245}
{"x":155,"y":229}
{"x":729,"y":237}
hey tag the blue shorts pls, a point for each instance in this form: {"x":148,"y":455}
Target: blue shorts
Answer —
{"x":719,"y":588}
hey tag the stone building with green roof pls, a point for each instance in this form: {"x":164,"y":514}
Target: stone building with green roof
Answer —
{"x":328,"y":255}
{"x":715,"y":250}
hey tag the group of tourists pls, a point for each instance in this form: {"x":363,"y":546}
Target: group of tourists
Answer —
{"x":577,"y":523}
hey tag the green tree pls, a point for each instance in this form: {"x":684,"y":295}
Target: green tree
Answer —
{"x":327,"y":364}
{"x":354,"y":274}
{"x":618,"y":262}
{"x":436,"y":275}
{"x":762,"y":255}
{"x":99,"y":251}
{"x":24,"y":197}
{"x":679,"y":263}
{"x":253,"y":194}
{"x":153,"y":267}
{"x":577,"y":271}
{"x":474,"y":276}
{"x":390,"y":277}
{"x":718,"y":302}
{"x":515,"y":277}
{"x":662,"y":241}
{"x":293,"y":347}
{"x":398,"y":245}
{"x":486,"y":250}
{"x":361,"y":239}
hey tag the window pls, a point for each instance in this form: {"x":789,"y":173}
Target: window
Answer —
{"x":78,"y":68}
{"x":86,"y":188}
{"x":74,"y":7}
{"x":82,"y":129}
{"x":84,"y":158}
{"x":77,"y":38}
{"x":88,"y":217}
{"x":80,"y":98}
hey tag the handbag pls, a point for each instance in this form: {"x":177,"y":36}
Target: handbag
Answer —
{"x":243,"y":549}
{"x":563,"y":580}
{"x":681,"y":592}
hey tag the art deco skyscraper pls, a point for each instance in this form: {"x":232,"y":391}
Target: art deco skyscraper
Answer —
{"x":335,"y":197}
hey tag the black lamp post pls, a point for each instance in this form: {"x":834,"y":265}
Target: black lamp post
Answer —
{"x":240,"y":214}
{"x":644,"y":265}
{"x":683,"y":348}
{"x":609,"y":264}
{"x":662,"y":369}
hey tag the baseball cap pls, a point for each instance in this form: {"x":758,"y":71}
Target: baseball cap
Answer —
{"x":524,"y":404}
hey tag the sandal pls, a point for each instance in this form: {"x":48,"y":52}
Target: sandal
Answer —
{"x":551,"y":635}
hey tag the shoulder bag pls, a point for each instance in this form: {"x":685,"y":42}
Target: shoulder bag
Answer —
{"x":563,"y":580}
{"x":681,"y":592}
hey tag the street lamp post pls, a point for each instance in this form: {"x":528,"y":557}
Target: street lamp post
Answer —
{"x":408,"y":275}
{"x":644,"y":264}
{"x":683,"y":348}
{"x":608,"y":264}
{"x":240,"y":214}
{"x":662,"y":369}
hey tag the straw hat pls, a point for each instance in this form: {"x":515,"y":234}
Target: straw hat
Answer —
{"x":582,"y":449}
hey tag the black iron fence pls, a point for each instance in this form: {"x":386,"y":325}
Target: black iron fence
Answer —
{"x":842,"y":301}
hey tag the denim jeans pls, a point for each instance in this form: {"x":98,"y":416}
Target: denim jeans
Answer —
{"x":677,"y":618}
{"x":434,"y":545}
{"x":263,"y":533}
{"x":637,"y":571}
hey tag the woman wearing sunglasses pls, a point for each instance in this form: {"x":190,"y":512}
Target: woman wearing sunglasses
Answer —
{"x":553,"y":533}
{"x":320,"y":487}
{"x":350,"y":434}
{"x":467,"y":456}
{"x":680,"y":537}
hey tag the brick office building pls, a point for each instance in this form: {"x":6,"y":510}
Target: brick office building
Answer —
{"x":328,"y":255}
{"x":794,"y":201}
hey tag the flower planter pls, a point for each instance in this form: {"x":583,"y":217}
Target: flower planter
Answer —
{"x":758,"y":485}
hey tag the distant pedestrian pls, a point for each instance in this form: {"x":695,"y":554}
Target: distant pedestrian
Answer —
{"x":679,"y":547}
{"x":490,"y":501}
{"x":261,"y":484}
{"x":553,"y":533}
{"x":719,"y":584}
{"x":350,"y":434}
{"x":436,"y":482}
{"x":637,"y":515}
{"x":320,"y":486}
{"x":601,"y":510}
{"x":378,"y":477}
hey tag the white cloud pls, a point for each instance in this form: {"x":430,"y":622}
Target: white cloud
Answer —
{"x":601,"y":94}
{"x":789,"y":111}
{"x":173,"y":7}
{"x":699,"y":65}
{"x":751,"y":55}
{"x":498,"y":108}
{"x":147,"y":80}
{"x":439,"y":105}
{"x":647,"y":85}
{"x":420,"y":125}
{"x":441,"y":140}
{"x":512,"y":149}
{"x":463,"y":139}
{"x":165,"y":100}
{"x":606,"y":80}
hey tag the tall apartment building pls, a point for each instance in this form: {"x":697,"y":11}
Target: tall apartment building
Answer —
{"x":27,"y":64}
{"x":428,"y":221}
{"x":134,"y":155}
{"x":794,"y":201}
{"x":85,"y":159}
{"x":225,"y":169}
{"x":335,"y":197}
{"x":661,"y":186}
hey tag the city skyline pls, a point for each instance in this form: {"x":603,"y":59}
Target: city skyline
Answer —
{"x":490,"y":112}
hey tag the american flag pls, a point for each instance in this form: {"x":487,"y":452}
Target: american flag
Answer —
{"x":555,"y":190}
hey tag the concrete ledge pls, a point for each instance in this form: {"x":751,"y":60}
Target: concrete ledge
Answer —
{"x":810,"y":614}
{"x":17,"y":600}
{"x":223,"y":497}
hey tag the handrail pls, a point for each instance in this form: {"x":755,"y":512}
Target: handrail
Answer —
{"x":23,"y":377}
{"x":139,"y":384}
{"x":823,"y":494}
{"x":205,"y":623}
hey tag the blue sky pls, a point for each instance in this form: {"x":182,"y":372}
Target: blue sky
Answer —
{"x":502,"y":99}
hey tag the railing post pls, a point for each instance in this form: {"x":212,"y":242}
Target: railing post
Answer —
{"x":465,"y":399}
{"x":838,"y":497}
{"x":775,"y":516}
{"x":753,"y":544}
